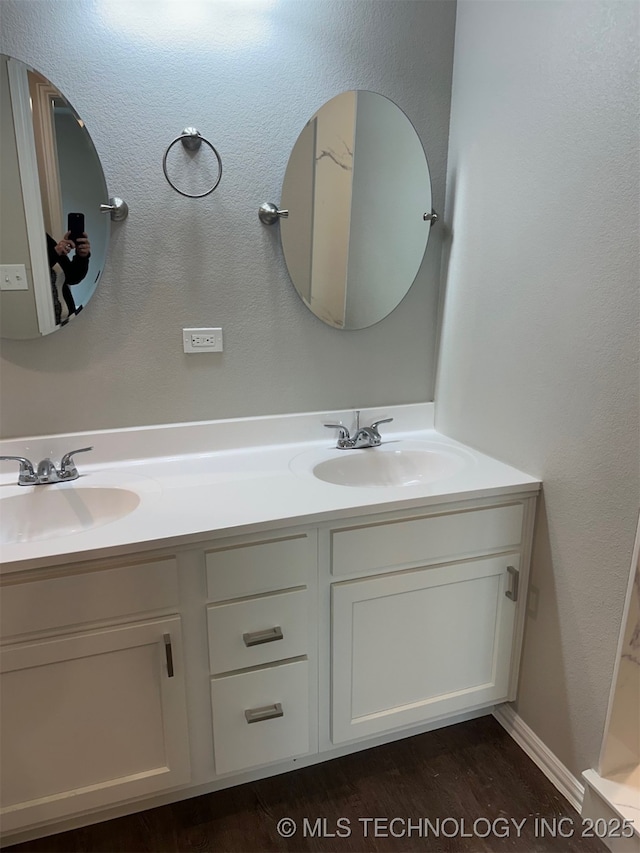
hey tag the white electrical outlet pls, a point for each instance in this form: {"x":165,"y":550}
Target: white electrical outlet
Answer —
{"x":13,"y":277}
{"x":202,"y":340}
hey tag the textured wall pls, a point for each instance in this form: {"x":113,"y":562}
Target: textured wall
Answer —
{"x":539,"y":361}
{"x":248,"y":75}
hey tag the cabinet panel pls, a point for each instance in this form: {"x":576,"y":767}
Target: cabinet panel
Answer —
{"x":242,"y":570}
{"x":42,"y":605}
{"x":91,"y":719}
{"x":278,"y":696}
{"x":237,"y":629}
{"x":379,"y":547}
{"x":420,"y":644}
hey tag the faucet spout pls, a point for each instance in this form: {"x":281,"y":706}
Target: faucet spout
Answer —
{"x":47,"y":472}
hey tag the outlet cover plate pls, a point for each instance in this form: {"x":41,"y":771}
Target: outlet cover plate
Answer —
{"x":202,"y":340}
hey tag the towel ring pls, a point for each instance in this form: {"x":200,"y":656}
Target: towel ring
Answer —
{"x":191,"y":139}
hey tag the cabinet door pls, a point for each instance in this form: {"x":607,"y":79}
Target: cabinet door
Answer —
{"x":418,"y":645}
{"x":91,"y":719}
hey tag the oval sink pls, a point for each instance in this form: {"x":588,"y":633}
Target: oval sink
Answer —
{"x":45,"y":512}
{"x":388,"y":466}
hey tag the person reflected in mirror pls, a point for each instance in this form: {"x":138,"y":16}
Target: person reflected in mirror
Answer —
{"x":74,"y":269}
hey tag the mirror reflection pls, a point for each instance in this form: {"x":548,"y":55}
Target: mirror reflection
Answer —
{"x":356,"y":187}
{"x":54,"y":240}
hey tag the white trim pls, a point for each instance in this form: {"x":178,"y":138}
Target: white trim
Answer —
{"x":541,"y":755}
{"x":28,"y":165}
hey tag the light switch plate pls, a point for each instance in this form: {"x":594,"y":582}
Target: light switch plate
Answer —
{"x":13,"y":277}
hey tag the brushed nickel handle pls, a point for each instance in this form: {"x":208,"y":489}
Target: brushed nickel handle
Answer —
{"x":169,"y":654}
{"x":268,"y":712}
{"x":514,"y":574}
{"x":256,"y":638}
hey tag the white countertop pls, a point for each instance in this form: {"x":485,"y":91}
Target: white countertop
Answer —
{"x":191,"y":497}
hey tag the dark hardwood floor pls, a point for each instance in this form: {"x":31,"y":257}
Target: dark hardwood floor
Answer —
{"x":474,"y":785}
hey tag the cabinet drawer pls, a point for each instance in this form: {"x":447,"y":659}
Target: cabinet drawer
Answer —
{"x":378,"y":547}
{"x":57,"y":602}
{"x":259,"y":567}
{"x":257,"y":630}
{"x":277,"y":700}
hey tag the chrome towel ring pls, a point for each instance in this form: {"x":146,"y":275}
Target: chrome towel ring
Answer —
{"x":191,"y":139}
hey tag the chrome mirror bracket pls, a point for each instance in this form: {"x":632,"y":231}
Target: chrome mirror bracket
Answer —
{"x":117,"y":208}
{"x":269,"y":213}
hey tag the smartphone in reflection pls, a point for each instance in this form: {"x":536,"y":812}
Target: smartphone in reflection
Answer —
{"x":75,"y":225}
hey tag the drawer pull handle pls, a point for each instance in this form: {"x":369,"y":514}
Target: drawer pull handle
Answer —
{"x":515,"y":583}
{"x":269,"y":712}
{"x":169,"y":654}
{"x":256,"y":638}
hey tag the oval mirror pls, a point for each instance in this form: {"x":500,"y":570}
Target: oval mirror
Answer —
{"x":49,"y":169}
{"x":356,"y":191}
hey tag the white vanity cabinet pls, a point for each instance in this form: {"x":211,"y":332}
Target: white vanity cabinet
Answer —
{"x":92,"y":690}
{"x":426,"y":613}
{"x":302,"y":643}
{"x":262,"y":649}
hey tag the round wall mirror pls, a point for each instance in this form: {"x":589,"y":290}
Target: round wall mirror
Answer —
{"x":52,"y":181}
{"x":356,"y":191}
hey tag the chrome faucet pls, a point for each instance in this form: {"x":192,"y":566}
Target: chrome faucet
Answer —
{"x":362,"y":437}
{"x":47,"y":471}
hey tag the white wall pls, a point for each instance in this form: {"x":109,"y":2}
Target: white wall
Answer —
{"x":248,"y":75}
{"x":539,"y":359}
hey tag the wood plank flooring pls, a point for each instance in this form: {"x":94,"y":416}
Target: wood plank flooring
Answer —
{"x":480,"y":792}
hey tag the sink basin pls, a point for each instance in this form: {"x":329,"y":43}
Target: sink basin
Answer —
{"x":45,"y":512}
{"x":394,"y":464}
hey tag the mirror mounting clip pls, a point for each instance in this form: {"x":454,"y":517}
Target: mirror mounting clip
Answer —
{"x":117,"y":208}
{"x":269,"y":213}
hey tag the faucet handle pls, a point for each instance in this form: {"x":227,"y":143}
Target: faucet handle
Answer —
{"x":376,"y":424}
{"x":68,"y":470}
{"x":27,"y":476}
{"x":343,"y":434}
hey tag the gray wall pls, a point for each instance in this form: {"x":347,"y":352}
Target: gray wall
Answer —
{"x":539,"y":359}
{"x":248,"y":76}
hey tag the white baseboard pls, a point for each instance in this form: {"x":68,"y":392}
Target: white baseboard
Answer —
{"x":541,"y":755}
